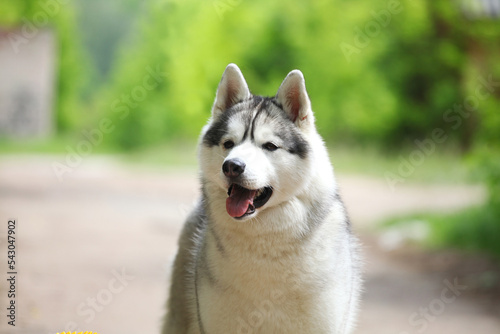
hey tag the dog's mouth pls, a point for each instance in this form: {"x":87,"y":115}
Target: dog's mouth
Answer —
{"x":243,"y":202}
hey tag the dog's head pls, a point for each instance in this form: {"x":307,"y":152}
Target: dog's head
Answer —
{"x":256,"y":151}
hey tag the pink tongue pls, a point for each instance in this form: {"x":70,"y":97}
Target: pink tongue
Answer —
{"x":239,"y":200}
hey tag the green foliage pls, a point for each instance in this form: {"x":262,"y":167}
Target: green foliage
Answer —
{"x":482,"y":85}
{"x":385,"y":73}
{"x":473,"y":229}
{"x":27,"y":14}
{"x":193,"y":41}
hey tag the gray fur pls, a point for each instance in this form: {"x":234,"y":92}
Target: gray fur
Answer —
{"x":266,"y":108}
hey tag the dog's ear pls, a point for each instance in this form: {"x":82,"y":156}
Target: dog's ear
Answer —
{"x":232,"y":89}
{"x":292,"y":95}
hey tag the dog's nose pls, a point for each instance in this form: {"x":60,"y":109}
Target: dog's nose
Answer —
{"x":233,"y":167}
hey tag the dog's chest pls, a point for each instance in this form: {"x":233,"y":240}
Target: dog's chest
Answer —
{"x":268,"y":293}
{"x":290,"y":307}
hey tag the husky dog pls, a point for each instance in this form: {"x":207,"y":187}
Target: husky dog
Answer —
{"x":268,"y":249}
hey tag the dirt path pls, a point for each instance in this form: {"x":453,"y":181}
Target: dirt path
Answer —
{"x":94,"y":251}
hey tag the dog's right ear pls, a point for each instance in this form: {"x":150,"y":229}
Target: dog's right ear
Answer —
{"x":232,"y":90}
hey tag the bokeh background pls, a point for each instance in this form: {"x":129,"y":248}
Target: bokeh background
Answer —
{"x":101,"y":103}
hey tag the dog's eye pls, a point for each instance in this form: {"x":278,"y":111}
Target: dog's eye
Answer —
{"x":270,"y":146}
{"x":228,"y":144}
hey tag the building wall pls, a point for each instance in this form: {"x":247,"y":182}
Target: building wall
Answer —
{"x":27,"y":84}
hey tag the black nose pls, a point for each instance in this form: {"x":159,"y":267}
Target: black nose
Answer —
{"x":233,"y":167}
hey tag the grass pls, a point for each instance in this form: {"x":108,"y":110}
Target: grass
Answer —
{"x":33,"y":146}
{"x":164,"y":154}
{"x":444,"y":167}
{"x":475,"y":229}
{"x":180,"y":154}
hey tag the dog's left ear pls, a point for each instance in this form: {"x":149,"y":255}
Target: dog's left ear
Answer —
{"x":232,"y":89}
{"x":292,"y":95}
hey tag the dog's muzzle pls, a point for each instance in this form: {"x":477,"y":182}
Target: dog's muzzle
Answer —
{"x":242,"y":202}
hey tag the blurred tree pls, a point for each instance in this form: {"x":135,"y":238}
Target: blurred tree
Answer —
{"x":193,"y":41}
{"x":477,"y":38}
{"x":386,"y":74}
{"x":481,"y":90}
{"x":423,"y":64}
